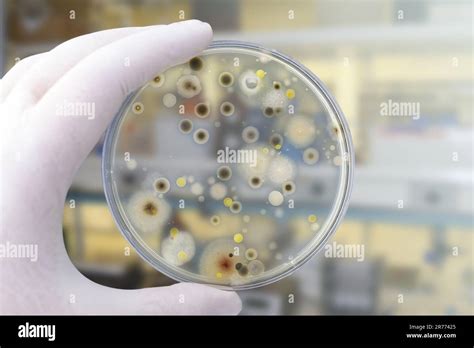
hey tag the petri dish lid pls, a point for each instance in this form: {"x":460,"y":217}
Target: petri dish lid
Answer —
{"x":232,"y":169}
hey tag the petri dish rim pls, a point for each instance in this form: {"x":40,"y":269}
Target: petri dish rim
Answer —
{"x":331,"y":224}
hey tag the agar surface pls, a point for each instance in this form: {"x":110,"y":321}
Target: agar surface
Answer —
{"x":233,"y":218}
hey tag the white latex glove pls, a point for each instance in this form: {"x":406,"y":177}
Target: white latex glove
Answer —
{"x":41,"y":151}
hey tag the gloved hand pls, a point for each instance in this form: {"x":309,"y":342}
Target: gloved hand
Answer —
{"x":41,"y":151}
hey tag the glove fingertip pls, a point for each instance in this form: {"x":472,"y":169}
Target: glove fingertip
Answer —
{"x":210,"y":300}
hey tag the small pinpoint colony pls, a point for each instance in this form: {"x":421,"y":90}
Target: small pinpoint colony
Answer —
{"x":243,"y":217}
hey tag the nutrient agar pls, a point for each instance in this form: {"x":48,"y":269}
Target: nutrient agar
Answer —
{"x":250,"y":164}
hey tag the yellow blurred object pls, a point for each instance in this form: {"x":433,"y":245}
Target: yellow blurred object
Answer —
{"x":107,"y":248}
{"x":399,"y":245}
{"x":290,"y":93}
{"x":350,"y":232}
{"x":182,"y":256}
{"x":95,"y":216}
{"x":174,"y":232}
{"x":181,"y":181}
{"x":260,"y":74}
{"x":202,"y":229}
{"x":98,"y":240}
{"x":112,"y":14}
{"x":238,"y":237}
{"x":286,"y":14}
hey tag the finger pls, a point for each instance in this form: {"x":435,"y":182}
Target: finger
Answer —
{"x":16,"y":72}
{"x":187,"y":298}
{"x":182,"y":299}
{"x":102,"y":80}
{"x":30,"y":88}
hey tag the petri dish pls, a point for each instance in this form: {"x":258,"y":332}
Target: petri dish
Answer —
{"x":232,"y":169}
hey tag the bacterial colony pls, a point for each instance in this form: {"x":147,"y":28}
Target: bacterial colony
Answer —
{"x":215,"y":163}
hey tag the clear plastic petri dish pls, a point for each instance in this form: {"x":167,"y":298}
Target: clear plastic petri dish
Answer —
{"x":232,"y":169}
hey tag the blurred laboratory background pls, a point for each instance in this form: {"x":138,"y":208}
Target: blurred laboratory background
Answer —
{"x":402,"y":72}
